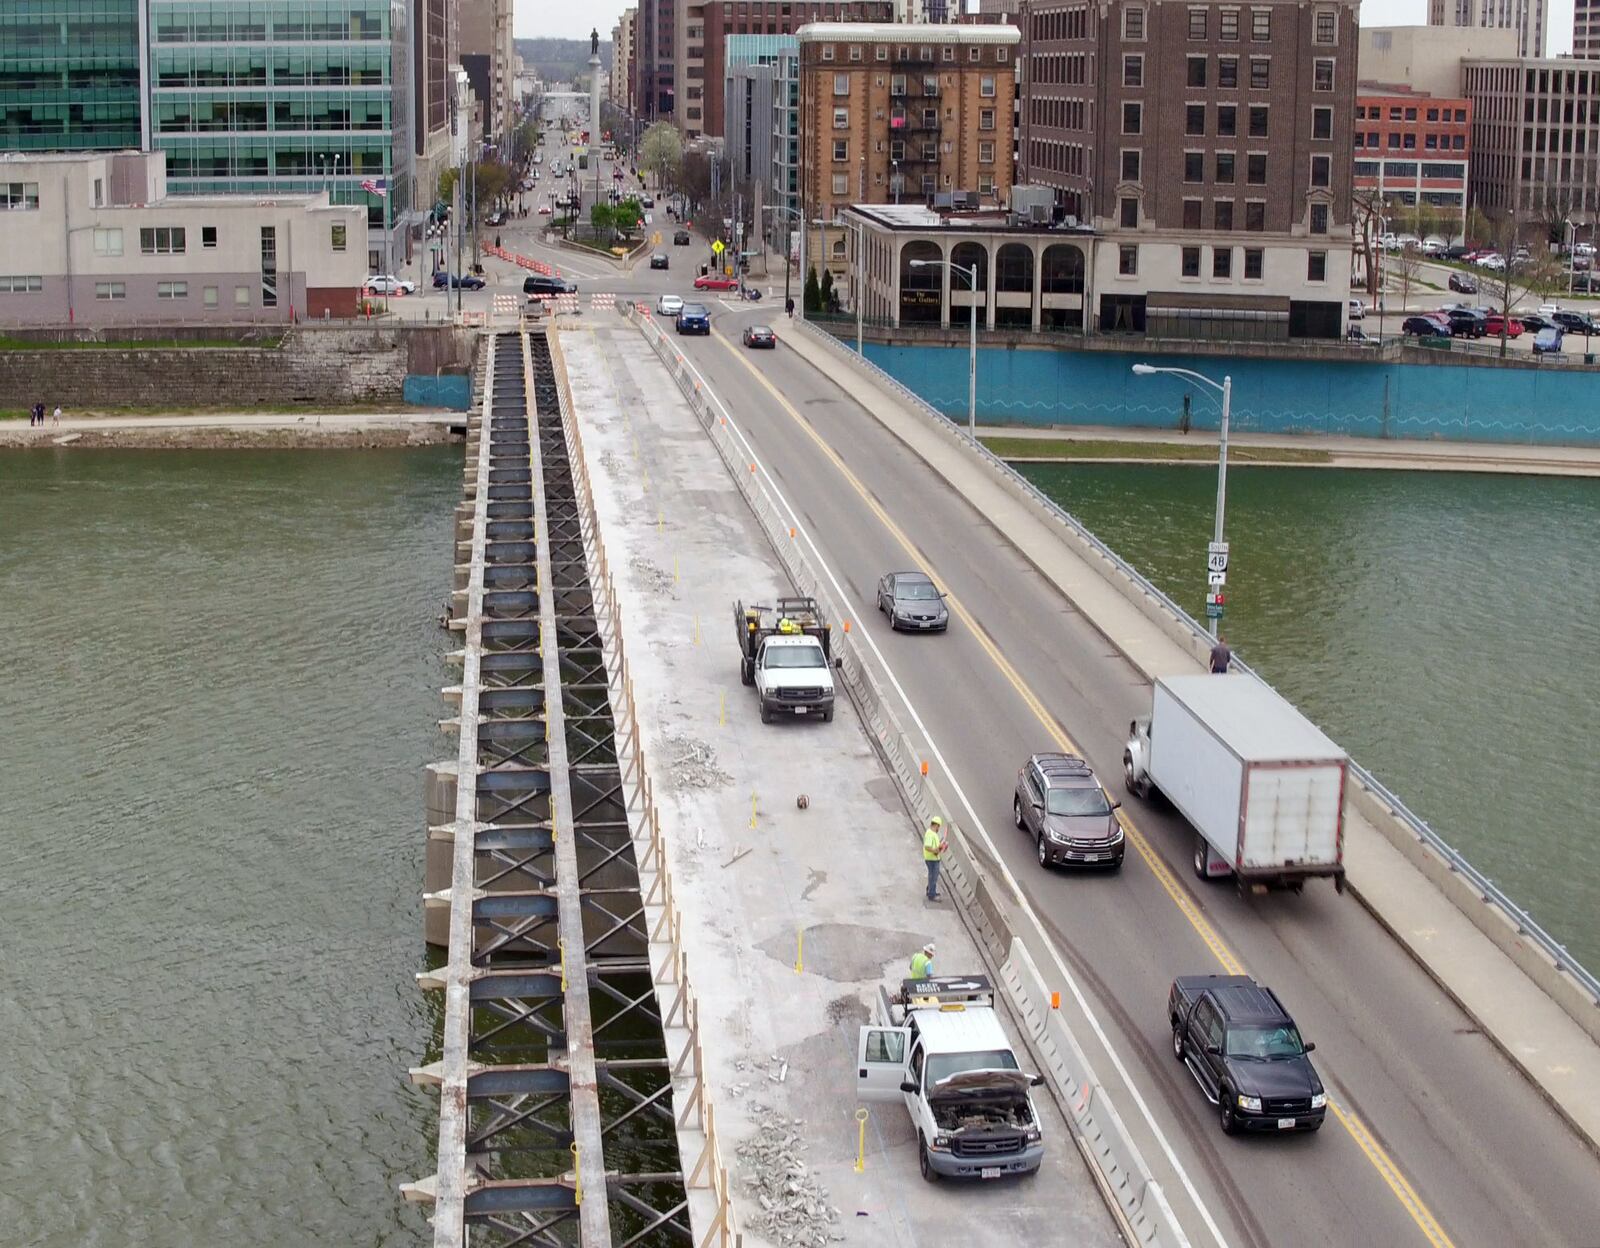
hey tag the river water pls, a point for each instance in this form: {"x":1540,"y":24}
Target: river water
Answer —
{"x":1444,"y":628}
{"x":220,"y":691}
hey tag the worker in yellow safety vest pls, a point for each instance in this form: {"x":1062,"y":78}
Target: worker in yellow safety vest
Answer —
{"x":922,"y":962}
{"x":934,"y":846}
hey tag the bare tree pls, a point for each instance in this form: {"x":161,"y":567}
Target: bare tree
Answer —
{"x":1367,"y":211}
{"x":1533,"y":274}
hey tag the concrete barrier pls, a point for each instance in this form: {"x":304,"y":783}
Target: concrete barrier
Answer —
{"x":987,"y":896}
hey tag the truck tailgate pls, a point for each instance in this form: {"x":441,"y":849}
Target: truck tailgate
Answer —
{"x":1292,"y":813}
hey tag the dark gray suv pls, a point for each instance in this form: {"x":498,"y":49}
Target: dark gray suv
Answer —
{"x":1060,"y":804}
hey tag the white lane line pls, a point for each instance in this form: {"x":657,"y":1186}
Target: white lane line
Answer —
{"x":976,"y":822}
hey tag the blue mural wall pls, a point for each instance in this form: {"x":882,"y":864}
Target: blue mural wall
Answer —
{"x":449,"y":391}
{"x":1377,"y":400}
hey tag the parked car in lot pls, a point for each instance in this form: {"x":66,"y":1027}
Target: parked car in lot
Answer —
{"x":446,"y":280}
{"x":388,"y":284}
{"x":1357,"y":310}
{"x":1358,"y":335}
{"x":910,"y":599}
{"x":1573,"y":322}
{"x":715,"y":281}
{"x":1466,"y":323}
{"x":1463,"y":283}
{"x":1548,"y":341}
{"x":1425,"y":327}
{"x":542,"y":284}
{"x":1059,"y":803}
{"x":693,"y":319}
{"x":1533,"y":322}
{"x":659,"y":260}
{"x":669,"y":305}
{"x":1494,"y":324}
{"x":680,"y":238}
{"x":760,"y":336}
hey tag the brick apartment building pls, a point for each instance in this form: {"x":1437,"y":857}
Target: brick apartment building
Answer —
{"x":1211,"y":143}
{"x":702,"y":51}
{"x":1414,"y":148}
{"x":908,"y":112}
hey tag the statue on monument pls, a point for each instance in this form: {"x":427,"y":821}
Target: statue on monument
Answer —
{"x":594,"y":41}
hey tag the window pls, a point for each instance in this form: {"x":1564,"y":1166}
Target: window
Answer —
{"x":1129,"y":213}
{"x":1227,"y":71}
{"x":1194,"y":119}
{"x":841,"y":119}
{"x":841,"y":84}
{"x":1132,"y":118}
{"x":1410,"y":143}
{"x":827,"y":51}
{"x":1258,"y":121}
{"x":950,"y":52}
{"x":897,"y":149}
{"x":1321,"y":170}
{"x":16,"y":285}
{"x":269,"y":266}
{"x":986,"y":86}
{"x":881,"y":54}
{"x":1222,"y":215}
{"x":985,"y":183}
{"x":1194,"y":166}
{"x":1322,"y":123}
{"x":1260,"y":25}
{"x":1255,"y":217}
{"x":1191,"y":214}
{"x":162,"y":241}
{"x":1322,"y":76}
{"x":1317,"y":266}
{"x":1222,"y":262}
{"x":1225,"y":168}
{"x":1431,"y":142}
{"x":1255,"y":168}
{"x":986,"y":152}
{"x":1458,"y":142}
{"x":100,"y":192}
{"x":1394,"y":142}
{"x":1197,"y":71}
{"x":1130,"y":164}
{"x":1002,"y":55}
{"x":1327,"y":30}
{"x":841,"y":149}
{"x":1252,"y":264}
{"x":986,"y":119}
{"x":110,"y":290}
{"x":887,"y":1046}
{"x":1127,"y":260}
{"x":208,"y":296}
{"x":208,"y":236}
{"x":1191,"y":262}
{"x":1227,"y":120}
{"x":172,"y":290}
{"x":1133,"y":70}
{"x":1461,"y":114}
{"x":108,"y":242}
{"x":1411,"y":114}
{"x":1133,"y":22}
{"x":897,"y":84}
{"x":19,"y":196}
{"x":1197,"y":24}
{"x":1319,"y":218}
{"x":1260,"y":69}
{"x":974,"y":54}
{"x":841,"y":184}
{"x":1230,"y":25}
{"x":241,"y":296}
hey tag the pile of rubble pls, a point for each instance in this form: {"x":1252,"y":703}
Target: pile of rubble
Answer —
{"x":654,"y":578}
{"x":794,"y":1209}
{"x":692,"y":763}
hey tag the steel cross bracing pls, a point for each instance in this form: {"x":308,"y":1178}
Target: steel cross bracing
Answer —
{"x":556,"y":1118}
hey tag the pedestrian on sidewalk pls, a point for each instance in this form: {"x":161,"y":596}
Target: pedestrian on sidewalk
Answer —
{"x":922,"y":962}
{"x":934,"y":846}
{"x":1221,"y":656}
{"x":58,"y":416}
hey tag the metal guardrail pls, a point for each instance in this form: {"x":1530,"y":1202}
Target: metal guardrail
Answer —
{"x":1491,"y":893}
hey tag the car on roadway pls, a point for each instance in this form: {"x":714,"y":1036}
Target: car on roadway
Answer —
{"x":1245,"y":1052}
{"x":759,"y":336}
{"x":1494,"y":323}
{"x":542,"y":284}
{"x":388,"y":284}
{"x":693,"y":319}
{"x":680,"y":238}
{"x":545,"y":210}
{"x":1059,"y":803}
{"x":715,"y":281}
{"x":496,"y":218}
{"x":910,"y":599}
{"x":446,"y":280}
{"x":1463,"y":283}
{"x":669,"y":305}
{"x":659,"y":260}
{"x":1431,"y":326}
{"x":1357,"y":310}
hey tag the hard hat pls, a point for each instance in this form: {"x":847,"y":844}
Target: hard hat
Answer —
{"x":936,"y":822}
{"x":928,"y":948}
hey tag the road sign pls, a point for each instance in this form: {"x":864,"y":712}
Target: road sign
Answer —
{"x":1216,"y":579}
{"x":1217,"y":557}
{"x":1213,"y":610}
{"x":717,"y":248}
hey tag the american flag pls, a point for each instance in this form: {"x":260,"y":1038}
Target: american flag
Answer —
{"x":379,"y":187}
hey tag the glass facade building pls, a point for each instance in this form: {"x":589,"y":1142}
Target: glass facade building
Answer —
{"x":279,"y":96}
{"x":69,"y":75}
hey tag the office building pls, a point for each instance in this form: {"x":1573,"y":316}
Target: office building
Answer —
{"x":95,"y":239}
{"x":1534,"y":145}
{"x":1425,"y":59}
{"x":488,"y":54}
{"x":70,"y":75}
{"x":1412,"y":149}
{"x":1529,"y":19}
{"x":1586,"y":29}
{"x":434,"y":54}
{"x":655,"y":77}
{"x":289,"y":98}
{"x":622,"y":60}
{"x":1211,"y":143}
{"x":762,"y":88}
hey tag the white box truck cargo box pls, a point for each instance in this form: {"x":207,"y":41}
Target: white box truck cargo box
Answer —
{"x":1259,"y":781}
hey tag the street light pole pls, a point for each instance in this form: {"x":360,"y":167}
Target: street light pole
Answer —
{"x":971,"y":274}
{"x":1217,"y":556}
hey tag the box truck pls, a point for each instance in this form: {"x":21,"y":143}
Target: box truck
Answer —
{"x":1262,"y":785}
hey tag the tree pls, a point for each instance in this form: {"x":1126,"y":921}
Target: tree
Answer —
{"x":825,"y":290}
{"x":1535,"y":273}
{"x":1367,"y":212}
{"x":812,"y":296}
{"x":604,"y":219}
{"x":627,"y":215}
{"x":661,"y":151}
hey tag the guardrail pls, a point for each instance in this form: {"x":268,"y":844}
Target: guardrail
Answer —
{"x":986,"y":897}
{"x":1490,"y":893}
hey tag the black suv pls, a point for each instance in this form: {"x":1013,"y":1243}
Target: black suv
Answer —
{"x":538,"y":284}
{"x":1467,"y":323}
{"x":1245,"y":1053}
{"x":1060,"y":804}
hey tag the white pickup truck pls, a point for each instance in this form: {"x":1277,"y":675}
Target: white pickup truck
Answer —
{"x":784,"y":654}
{"x":939,"y":1048}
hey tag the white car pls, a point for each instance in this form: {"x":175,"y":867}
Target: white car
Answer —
{"x":1357,"y":310}
{"x":669,"y":305}
{"x":389,"y":284}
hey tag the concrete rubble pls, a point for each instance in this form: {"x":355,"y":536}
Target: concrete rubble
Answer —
{"x":692,"y":763}
{"x":794,"y":1204}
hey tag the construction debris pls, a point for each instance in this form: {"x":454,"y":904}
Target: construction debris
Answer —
{"x":692,"y":763}
{"x":795,"y":1212}
{"x":656,"y":579}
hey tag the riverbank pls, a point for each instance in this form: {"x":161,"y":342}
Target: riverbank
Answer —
{"x":1105,"y":444}
{"x":348,"y":430}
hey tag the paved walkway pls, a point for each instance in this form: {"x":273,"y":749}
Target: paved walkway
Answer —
{"x":1345,"y":452}
{"x":1532,"y":1030}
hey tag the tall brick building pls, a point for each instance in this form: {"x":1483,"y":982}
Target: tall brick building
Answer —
{"x":1210,"y":142}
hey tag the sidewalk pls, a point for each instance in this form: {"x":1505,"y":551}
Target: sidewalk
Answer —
{"x":792,"y":917}
{"x":235,"y":428}
{"x":1344,"y":452}
{"x":1542,"y":1039}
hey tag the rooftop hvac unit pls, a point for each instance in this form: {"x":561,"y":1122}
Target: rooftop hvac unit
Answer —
{"x":1039,"y":214}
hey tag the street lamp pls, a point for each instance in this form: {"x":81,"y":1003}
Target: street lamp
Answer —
{"x":787,"y":255}
{"x":971,"y":274}
{"x":1217,"y":560}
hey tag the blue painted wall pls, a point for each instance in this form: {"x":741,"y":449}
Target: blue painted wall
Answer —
{"x":1378,"y":400}
{"x":447,"y":391}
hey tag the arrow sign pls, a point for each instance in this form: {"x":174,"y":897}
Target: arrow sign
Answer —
{"x":1216,"y":578}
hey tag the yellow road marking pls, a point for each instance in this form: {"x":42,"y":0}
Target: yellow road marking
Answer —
{"x":1375,"y":1153}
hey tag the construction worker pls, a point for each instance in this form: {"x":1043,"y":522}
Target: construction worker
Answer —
{"x":922,"y":962}
{"x":788,"y":626}
{"x":934,"y":846}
